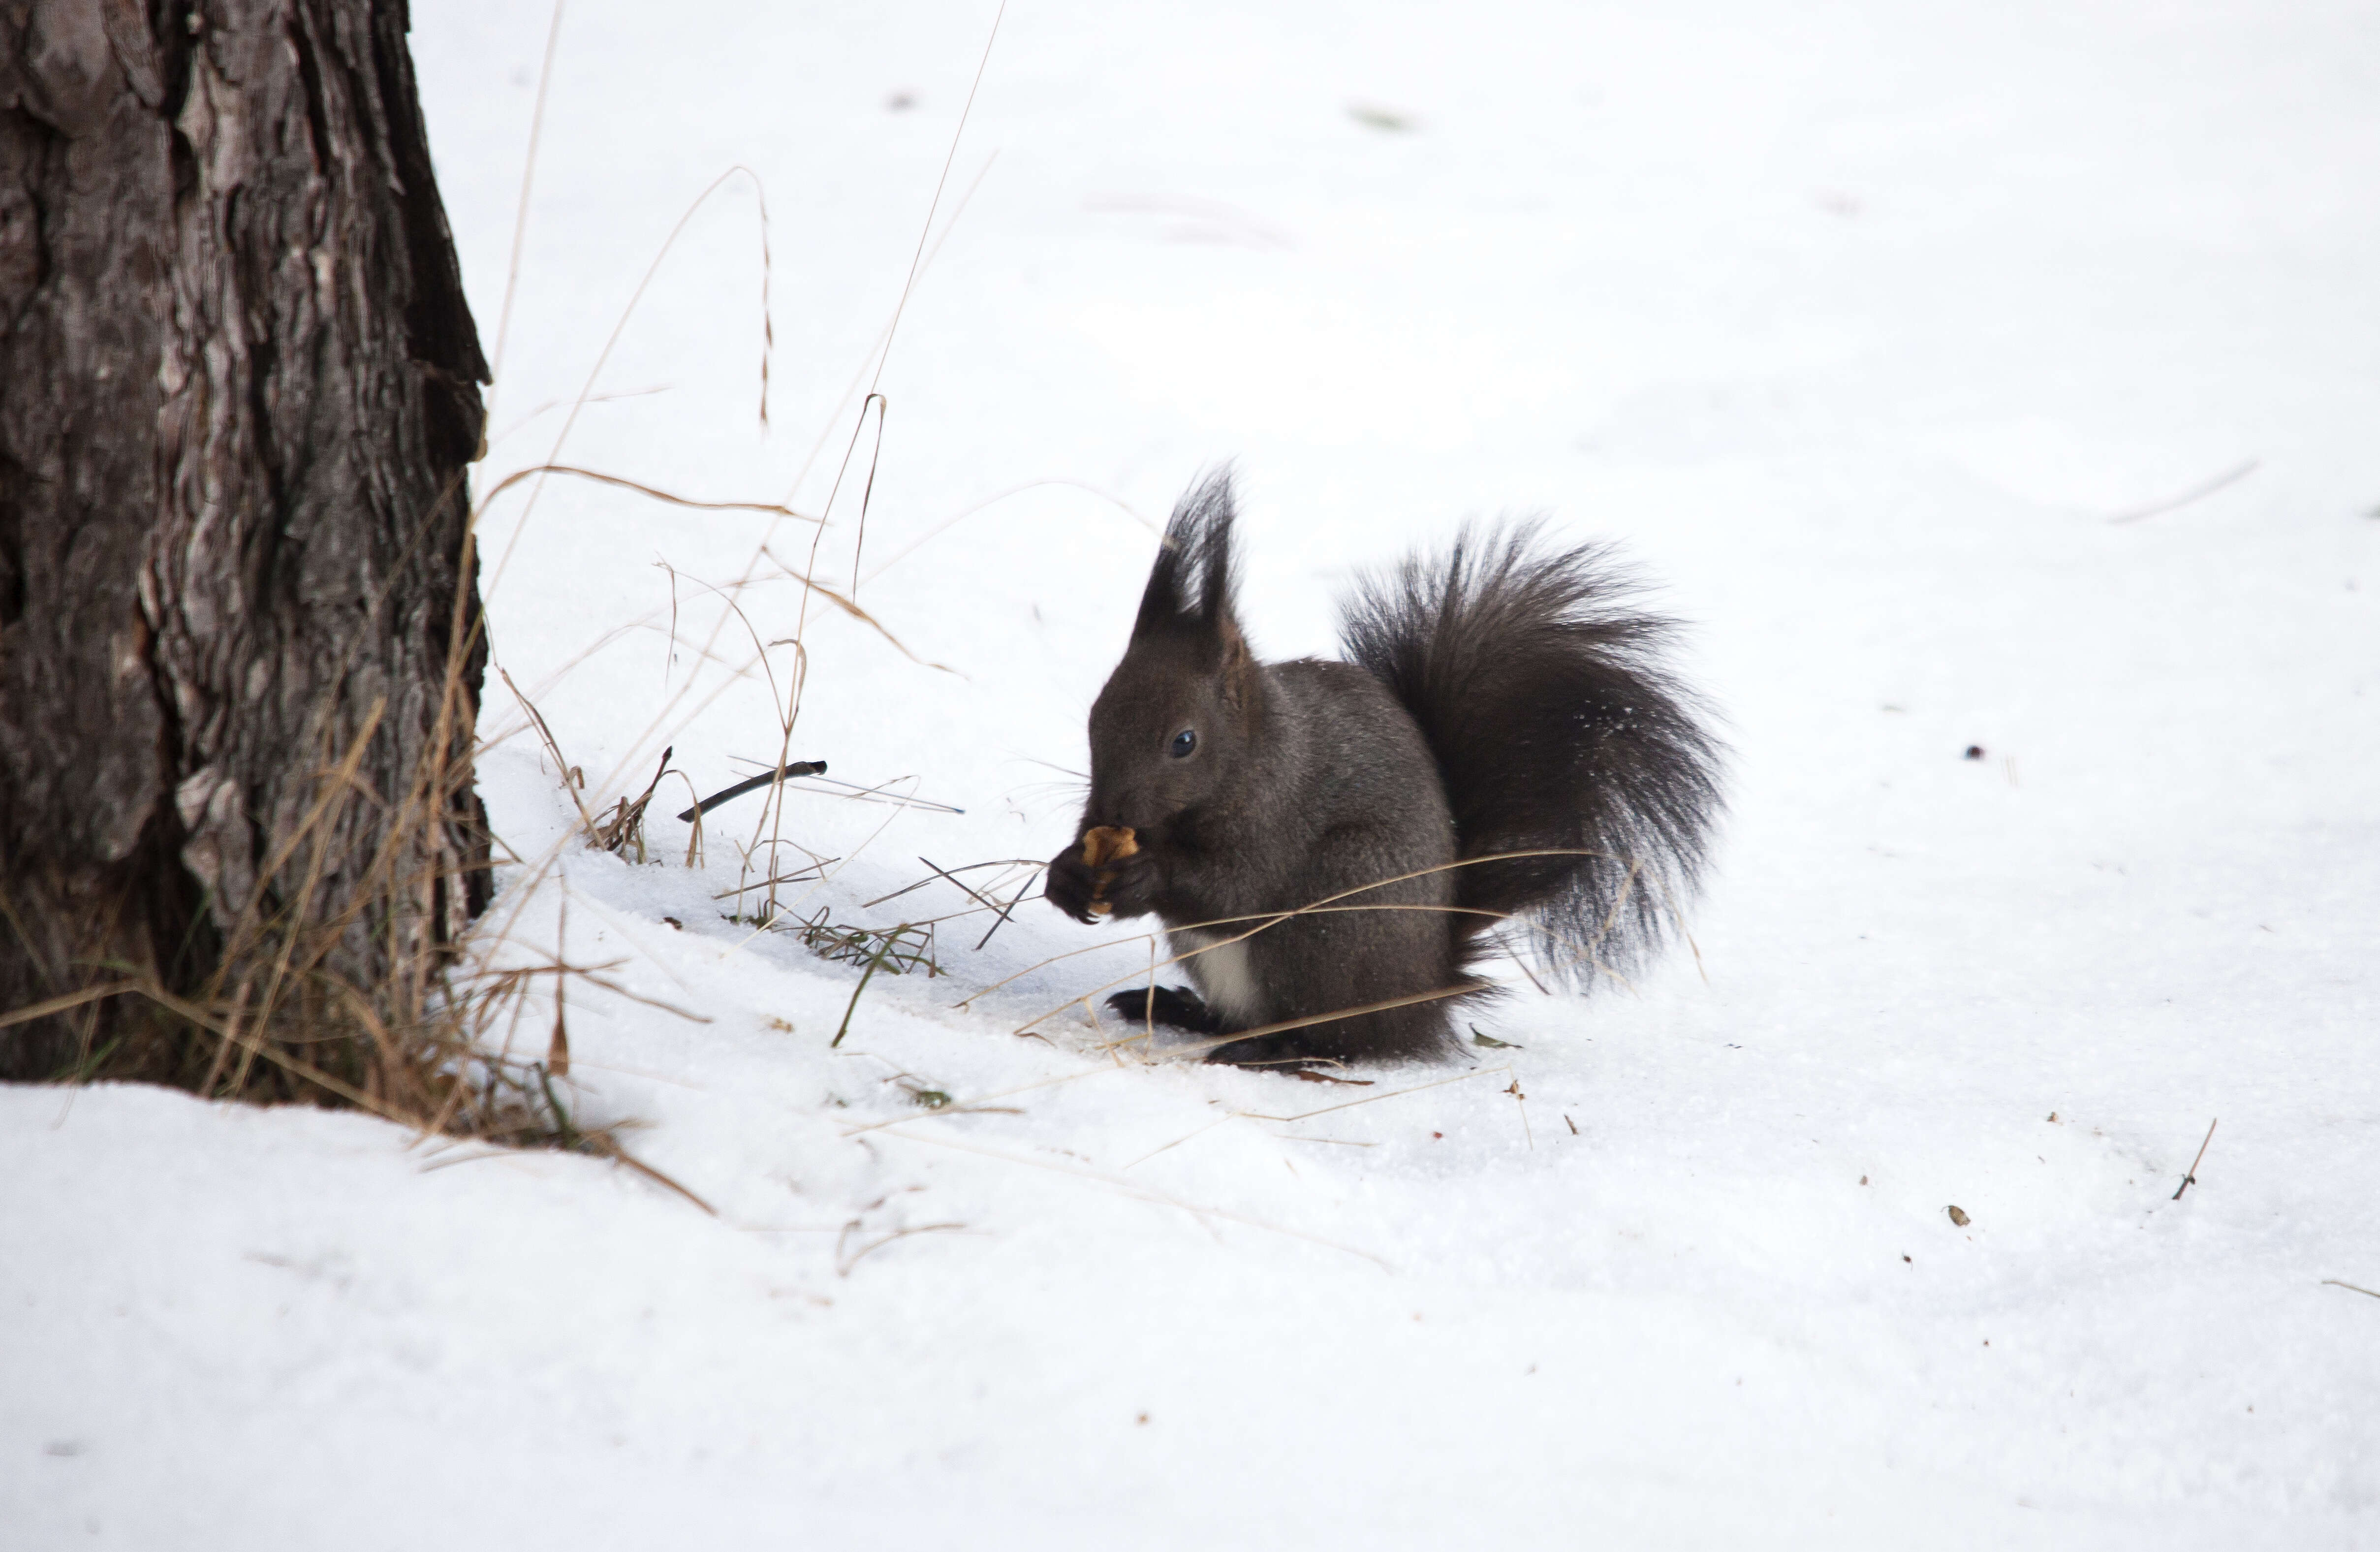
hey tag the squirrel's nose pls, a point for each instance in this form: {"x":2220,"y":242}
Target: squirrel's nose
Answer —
{"x":1121,"y":810}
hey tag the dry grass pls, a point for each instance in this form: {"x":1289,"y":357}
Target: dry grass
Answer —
{"x":347,"y":995}
{"x":374,"y":993}
{"x":286,"y":1016}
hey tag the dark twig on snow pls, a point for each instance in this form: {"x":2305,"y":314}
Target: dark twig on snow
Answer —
{"x":943,"y":873}
{"x":1004,"y":914}
{"x":2196,"y":492}
{"x":799,"y":768}
{"x":2192,"y":1178}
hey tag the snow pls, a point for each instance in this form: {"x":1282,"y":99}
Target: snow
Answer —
{"x":1857,"y":325}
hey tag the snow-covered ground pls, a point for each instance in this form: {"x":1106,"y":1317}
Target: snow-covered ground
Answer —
{"x":1864,"y":327}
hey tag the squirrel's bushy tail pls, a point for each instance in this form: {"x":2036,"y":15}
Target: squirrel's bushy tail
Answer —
{"x":1540,"y":687}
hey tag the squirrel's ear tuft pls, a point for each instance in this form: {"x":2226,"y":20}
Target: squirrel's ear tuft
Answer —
{"x":1162,"y":604}
{"x":1194,"y":578}
{"x":1236,"y":665}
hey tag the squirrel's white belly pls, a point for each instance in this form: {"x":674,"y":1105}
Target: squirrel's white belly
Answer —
{"x":1224,"y":974}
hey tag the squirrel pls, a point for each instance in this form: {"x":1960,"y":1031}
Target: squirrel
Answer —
{"x":1334,"y":846}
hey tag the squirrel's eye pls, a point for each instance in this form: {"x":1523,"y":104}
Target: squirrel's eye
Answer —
{"x":1184,"y":742}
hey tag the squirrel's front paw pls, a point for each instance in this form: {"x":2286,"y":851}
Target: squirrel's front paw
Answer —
{"x":1121,"y":881}
{"x":1127,"y":887}
{"x":1071,"y":884}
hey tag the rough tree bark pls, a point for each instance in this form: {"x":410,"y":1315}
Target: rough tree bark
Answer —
{"x":237,"y":395}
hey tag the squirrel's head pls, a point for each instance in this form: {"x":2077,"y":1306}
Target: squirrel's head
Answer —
{"x":1175,"y":723}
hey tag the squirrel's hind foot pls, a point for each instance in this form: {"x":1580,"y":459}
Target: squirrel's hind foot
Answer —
{"x":1267,"y":1053}
{"x":1180,"y":1008}
{"x":1175,"y":1007}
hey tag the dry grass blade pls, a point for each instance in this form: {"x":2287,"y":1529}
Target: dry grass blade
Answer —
{"x":557,"y":1050}
{"x":882,"y":343}
{"x":811,"y":586}
{"x":950,"y":522}
{"x":867,"y":491}
{"x":963,"y":867}
{"x":608,"y":1147}
{"x":183,"y":1008}
{"x":561,"y":761}
{"x":916,"y":260}
{"x":944,"y":875}
{"x":845,"y":1264}
{"x":521,"y":227}
{"x":890,"y":946}
{"x":800,"y":876}
{"x":1177,"y":1141}
{"x":625,"y":828}
{"x":538,"y":470}
{"x":2189,"y":1176}
{"x":63,"y":1004}
{"x":604,"y":356}
{"x":1376,"y":1099}
{"x":1003,"y":920}
{"x":881,"y":793}
{"x":1128,"y":1188}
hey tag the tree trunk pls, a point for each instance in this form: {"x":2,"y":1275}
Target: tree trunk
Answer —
{"x":239,"y":639}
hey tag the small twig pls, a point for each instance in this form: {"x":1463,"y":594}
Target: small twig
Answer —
{"x":2334,"y":1282}
{"x":967,"y":867}
{"x":2192,"y":1178}
{"x":943,"y":874}
{"x":2197,"y":492}
{"x":799,"y":768}
{"x":1012,"y":905}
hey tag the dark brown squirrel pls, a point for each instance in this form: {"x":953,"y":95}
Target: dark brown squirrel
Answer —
{"x":1315,"y":826}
